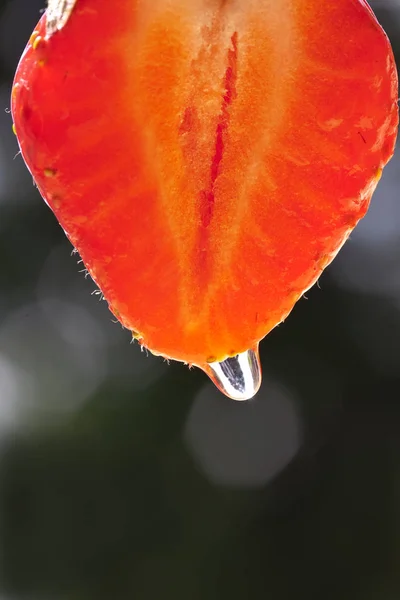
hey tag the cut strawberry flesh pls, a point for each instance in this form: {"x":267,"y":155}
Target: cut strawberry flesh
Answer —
{"x":207,"y":159}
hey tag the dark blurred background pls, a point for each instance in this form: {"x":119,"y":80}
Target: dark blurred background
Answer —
{"x":123,"y":477}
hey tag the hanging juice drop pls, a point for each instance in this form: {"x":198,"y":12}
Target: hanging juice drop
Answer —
{"x":239,"y":376}
{"x":208,"y":158}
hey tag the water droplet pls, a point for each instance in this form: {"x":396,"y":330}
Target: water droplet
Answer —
{"x":238,"y":377}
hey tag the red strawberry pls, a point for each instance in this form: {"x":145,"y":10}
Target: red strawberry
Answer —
{"x":207,"y":158}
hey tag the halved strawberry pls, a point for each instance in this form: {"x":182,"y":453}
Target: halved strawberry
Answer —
{"x":207,"y":158}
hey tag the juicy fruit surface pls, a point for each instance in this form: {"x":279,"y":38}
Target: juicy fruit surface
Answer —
{"x":207,"y":159}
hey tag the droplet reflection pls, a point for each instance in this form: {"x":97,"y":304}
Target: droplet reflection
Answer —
{"x":238,"y":377}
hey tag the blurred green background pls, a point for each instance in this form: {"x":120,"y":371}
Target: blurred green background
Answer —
{"x":124,"y":477}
